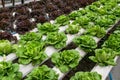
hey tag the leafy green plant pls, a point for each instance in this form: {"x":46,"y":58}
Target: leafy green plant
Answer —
{"x":113,"y":41}
{"x":62,"y":20}
{"x":73,"y":28}
{"x":30,"y":36}
{"x":47,"y":28}
{"x":86,"y":76}
{"x":9,"y":71}
{"x":58,"y":40}
{"x":85,"y":42}
{"x":92,"y":16}
{"x":116,"y":11}
{"x":32,"y":51}
{"x":104,"y":57}
{"x":74,"y":14}
{"x":5,"y":47}
{"x":82,"y":20}
{"x":104,"y":21}
{"x":42,"y":73}
{"x":66,"y":60}
{"x":96,"y":31}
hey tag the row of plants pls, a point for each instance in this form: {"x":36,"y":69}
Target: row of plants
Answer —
{"x":41,"y":11}
{"x":60,"y":60}
{"x":11,"y":71}
{"x":110,"y":49}
{"x":29,"y":45}
{"x":58,"y":40}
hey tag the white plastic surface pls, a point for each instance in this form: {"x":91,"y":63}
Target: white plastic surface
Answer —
{"x":50,"y":50}
{"x":25,"y":69}
{"x":58,"y":72}
{"x":63,"y":28}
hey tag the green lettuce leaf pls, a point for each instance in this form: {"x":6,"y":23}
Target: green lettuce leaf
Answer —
{"x":9,"y":71}
{"x":73,"y":28}
{"x":86,"y":76}
{"x":58,"y":40}
{"x":104,"y":57}
{"x":42,"y":73}
{"x":62,"y":20}
{"x":47,"y":28}
{"x":66,"y":60}
{"x":32,"y":51}
{"x":85,"y":42}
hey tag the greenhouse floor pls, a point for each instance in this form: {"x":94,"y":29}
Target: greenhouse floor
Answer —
{"x":116,"y":71}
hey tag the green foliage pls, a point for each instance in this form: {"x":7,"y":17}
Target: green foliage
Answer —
{"x":82,"y":20}
{"x":116,"y":11}
{"x":42,"y":73}
{"x":66,"y":60}
{"x":74,"y":14}
{"x":9,"y":71}
{"x":47,"y":28}
{"x":85,"y":42}
{"x":62,"y":20}
{"x":73,"y":28}
{"x":104,"y":57}
{"x":104,"y":21}
{"x":5,"y":47}
{"x":96,"y":31}
{"x":31,"y":52}
{"x":86,"y":76}
{"x":58,"y":40}
{"x":113,"y":41}
{"x":30,"y":36}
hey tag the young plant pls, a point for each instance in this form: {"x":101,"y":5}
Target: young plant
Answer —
{"x":47,"y":28}
{"x":62,"y":20}
{"x":66,"y":60}
{"x":42,"y":73}
{"x":113,"y":42}
{"x":58,"y":40}
{"x":9,"y":71}
{"x":30,"y":36}
{"x":74,"y":14}
{"x":5,"y":47}
{"x":73,"y":28}
{"x":96,"y":31}
{"x":32,"y":51}
{"x":104,"y":57}
{"x":104,"y":21}
{"x":85,"y":42}
{"x":82,"y":20}
{"x":86,"y":76}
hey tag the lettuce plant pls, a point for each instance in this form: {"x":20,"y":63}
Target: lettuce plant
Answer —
{"x":32,"y":51}
{"x":82,"y":20}
{"x":74,"y":14}
{"x":62,"y":20}
{"x":96,"y":31}
{"x":42,"y":73}
{"x":30,"y":36}
{"x":116,"y":11}
{"x":9,"y":71}
{"x":85,"y":42}
{"x":104,"y":57}
{"x":66,"y":60}
{"x":113,"y":41}
{"x":47,"y":28}
{"x":5,"y":47}
{"x":58,"y":40}
{"x":86,"y":76}
{"x":73,"y":28}
{"x":104,"y":21}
